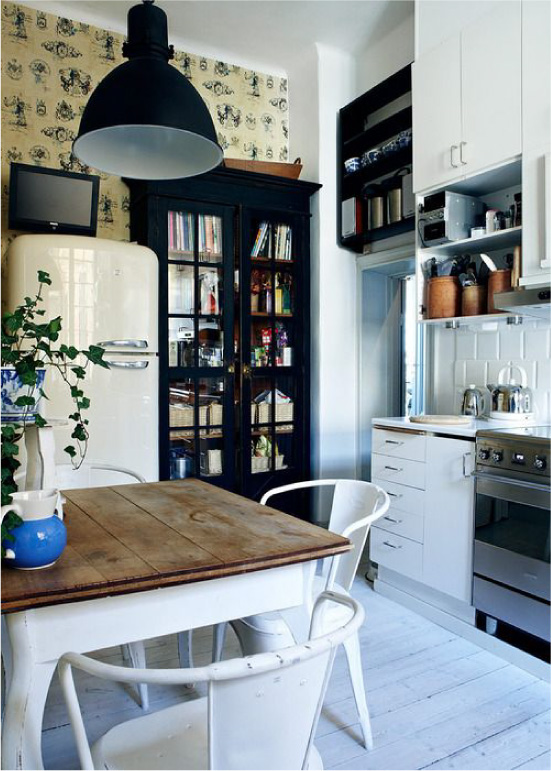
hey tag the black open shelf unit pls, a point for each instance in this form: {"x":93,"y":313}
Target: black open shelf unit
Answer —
{"x":367,"y":123}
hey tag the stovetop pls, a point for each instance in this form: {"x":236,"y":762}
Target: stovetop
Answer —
{"x":523,"y":433}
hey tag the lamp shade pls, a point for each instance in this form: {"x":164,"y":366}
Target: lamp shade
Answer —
{"x":145,"y":120}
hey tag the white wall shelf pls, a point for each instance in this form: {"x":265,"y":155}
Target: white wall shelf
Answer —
{"x":501,"y":239}
{"x":486,"y":318}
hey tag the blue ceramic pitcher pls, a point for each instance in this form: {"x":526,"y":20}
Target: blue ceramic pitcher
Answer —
{"x":40,"y":540}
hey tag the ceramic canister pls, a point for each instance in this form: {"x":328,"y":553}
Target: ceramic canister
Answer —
{"x":40,"y":540}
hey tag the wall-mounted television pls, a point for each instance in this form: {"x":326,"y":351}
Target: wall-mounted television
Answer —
{"x":53,"y":201}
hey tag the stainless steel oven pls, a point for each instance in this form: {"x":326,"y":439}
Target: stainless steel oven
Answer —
{"x":512,"y":529}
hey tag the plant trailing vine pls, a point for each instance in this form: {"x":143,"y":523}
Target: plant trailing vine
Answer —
{"x":27,"y":346}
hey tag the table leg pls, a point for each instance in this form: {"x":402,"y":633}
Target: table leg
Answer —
{"x":26,"y":697}
{"x":299,"y":617}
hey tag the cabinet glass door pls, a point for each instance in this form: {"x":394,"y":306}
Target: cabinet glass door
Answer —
{"x":199,"y":343}
{"x":271,"y":359}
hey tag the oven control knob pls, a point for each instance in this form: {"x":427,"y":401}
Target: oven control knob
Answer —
{"x":484,"y":454}
{"x":497,"y":456}
{"x":540,"y":462}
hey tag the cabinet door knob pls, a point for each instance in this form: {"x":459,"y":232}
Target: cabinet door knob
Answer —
{"x":246,"y":370}
{"x":452,"y":156}
{"x":231,"y":369}
{"x":461,"y":158}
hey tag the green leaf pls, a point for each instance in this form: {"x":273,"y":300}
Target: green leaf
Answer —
{"x":95,"y":354}
{"x":84,"y":403}
{"x":70,"y":351}
{"x":39,"y":421}
{"x":70,"y":450}
{"x":44,"y":277}
{"x":25,"y":401}
{"x":76,"y":393}
{"x":9,"y":448}
{"x":79,"y":432}
{"x":80,"y":372}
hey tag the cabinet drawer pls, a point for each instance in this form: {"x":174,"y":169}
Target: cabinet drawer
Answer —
{"x":401,"y":444}
{"x":402,"y":523}
{"x":396,"y":553}
{"x":401,"y":497}
{"x":400,"y":470}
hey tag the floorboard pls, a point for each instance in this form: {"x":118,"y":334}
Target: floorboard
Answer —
{"x":437,"y":701}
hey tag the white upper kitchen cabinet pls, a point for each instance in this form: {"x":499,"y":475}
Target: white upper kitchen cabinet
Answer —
{"x":536,"y":142}
{"x":491,"y":88}
{"x":436,"y":86}
{"x":467,"y":100}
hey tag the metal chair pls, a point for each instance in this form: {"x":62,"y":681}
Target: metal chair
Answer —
{"x":356,"y":505}
{"x":260,"y":712}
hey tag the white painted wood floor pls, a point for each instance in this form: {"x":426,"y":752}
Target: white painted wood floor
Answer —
{"x":436,"y":700}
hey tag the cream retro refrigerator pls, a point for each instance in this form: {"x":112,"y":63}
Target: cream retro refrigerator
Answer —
{"x":106,"y":294}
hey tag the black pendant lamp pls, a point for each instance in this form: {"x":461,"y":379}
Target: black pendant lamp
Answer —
{"x":145,"y":120}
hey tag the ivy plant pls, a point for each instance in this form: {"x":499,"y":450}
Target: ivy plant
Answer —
{"x":28,"y":345}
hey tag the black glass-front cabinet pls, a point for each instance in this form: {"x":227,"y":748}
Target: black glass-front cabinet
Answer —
{"x":234,"y":338}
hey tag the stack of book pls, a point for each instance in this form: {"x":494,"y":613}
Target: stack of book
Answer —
{"x":180,"y":232}
{"x":273,"y":241}
{"x":210,"y":238}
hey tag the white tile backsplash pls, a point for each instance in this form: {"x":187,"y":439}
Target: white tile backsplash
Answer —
{"x":487,"y":345}
{"x":511,"y":342}
{"x":481,"y":354}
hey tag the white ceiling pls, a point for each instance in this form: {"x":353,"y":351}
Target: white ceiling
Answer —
{"x":264,"y":34}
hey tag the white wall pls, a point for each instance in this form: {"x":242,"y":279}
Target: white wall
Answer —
{"x":466,"y":356}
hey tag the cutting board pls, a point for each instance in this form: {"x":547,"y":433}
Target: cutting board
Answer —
{"x":443,"y":420}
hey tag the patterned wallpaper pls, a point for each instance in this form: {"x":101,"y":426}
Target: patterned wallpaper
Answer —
{"x":50,"y":65}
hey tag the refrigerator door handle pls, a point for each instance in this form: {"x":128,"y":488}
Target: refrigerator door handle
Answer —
{"x":127,"y":364}
{"x":123,"y":344}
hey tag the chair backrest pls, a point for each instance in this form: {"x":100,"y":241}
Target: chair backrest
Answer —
{"x":356,"y":505}
{"x":93,"y":474}
{"x":263,"y":710}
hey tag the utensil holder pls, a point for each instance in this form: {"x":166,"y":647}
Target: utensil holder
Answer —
{"x":498,"y":281}
{"x":444,"y":297}
{"x":473,"y":300}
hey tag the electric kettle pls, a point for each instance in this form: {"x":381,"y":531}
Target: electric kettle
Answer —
{"x":475,"y":401}
{"x":511,"y":399}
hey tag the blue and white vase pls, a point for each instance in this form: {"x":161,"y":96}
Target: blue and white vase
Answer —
{"x":12,"y":389}
{"x":40,"y":540}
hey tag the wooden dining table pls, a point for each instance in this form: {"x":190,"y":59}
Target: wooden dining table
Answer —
{"x":141,"y":561}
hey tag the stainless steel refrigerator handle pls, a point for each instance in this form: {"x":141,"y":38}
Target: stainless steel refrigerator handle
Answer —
{"x":123,"y":343}
{"x":127,"y":364}
{"x":512,"y":482}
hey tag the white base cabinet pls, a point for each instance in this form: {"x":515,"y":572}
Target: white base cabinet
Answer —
{"x":427,"y":533}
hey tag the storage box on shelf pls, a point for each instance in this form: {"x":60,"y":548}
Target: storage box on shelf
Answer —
{"x":375,"y":198}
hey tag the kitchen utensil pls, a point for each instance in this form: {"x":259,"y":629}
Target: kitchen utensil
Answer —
{"x":393,"y":188}
{"x":473,"y":300}
{"x":478,"y":232}
{"x":517,"y":266}
{"x":490,"y":264}
{"x":444,"y":420}
{"x":444,"y":297}
{"x":475,"y":401}
{"x":375,"y":206}
{"x":510,"y":398}
{"x":498,"y":281}
{"x":490,"y":220}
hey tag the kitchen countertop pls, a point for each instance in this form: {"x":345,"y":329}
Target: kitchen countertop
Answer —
{"x":467,"y":430}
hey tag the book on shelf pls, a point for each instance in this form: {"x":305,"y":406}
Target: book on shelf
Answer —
{"x":210,"y":237}
{"x":277,"y":238}
{"x":180,"y":232}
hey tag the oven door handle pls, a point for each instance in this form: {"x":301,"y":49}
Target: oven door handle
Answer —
{"x":508,"y":481}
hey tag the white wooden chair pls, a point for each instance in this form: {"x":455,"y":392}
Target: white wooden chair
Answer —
{"x":356,"y":505}
{"x":261,"y":712}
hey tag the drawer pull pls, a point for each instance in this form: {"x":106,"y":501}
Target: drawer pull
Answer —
{"x":392,"y":545}
{"x":394,"y":521}
{"x":393,"y":441}
{"x":395,"y":495}
{"x":393,"y":468}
